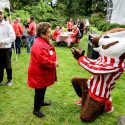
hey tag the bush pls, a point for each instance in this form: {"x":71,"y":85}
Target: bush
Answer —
{"x":98,"y":22}
{"x":96,"y":16}
{"x":114,"y":25}
{"x":105,"y":27}
{"x":22,"y":14}
{"x":122,"y":26}
{"x":101,"y":25}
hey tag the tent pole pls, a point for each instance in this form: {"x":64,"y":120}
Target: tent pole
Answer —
{"x":14,"y":41}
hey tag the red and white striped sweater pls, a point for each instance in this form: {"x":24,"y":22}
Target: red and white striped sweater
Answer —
{"x":106,"y":71}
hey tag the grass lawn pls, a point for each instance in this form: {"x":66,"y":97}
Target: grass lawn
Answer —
{"x":16,"y":102}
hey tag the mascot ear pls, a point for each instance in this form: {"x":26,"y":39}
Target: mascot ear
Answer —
{"x":95,"y":41}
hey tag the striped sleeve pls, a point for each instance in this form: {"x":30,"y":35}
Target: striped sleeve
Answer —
{"x":95,"y":68}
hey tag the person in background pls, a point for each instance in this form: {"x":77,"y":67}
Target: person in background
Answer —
{"x":81,"y":27}
{"x":28,"y":22}
{"x":19,"y":32}
{"x":73,"y":37}
{"x":57,"y":32}
{"x":87,"y":24}
{"x":7,"y":36}
{"x":32,"y":33}
{"x":25,"y":35}
{"x":69,"y":25}
{"x":77,"y":22}
{"x":42,"y":67}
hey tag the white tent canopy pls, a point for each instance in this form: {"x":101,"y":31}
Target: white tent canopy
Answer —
{"x":5,"y":4}
{"x":118,"y":12}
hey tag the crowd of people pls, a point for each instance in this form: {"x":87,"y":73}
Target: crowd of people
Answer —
{"x":43,"y":60}
{"x":77,"y":29}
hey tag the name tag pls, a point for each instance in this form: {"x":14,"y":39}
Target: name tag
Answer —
{"x":51,"y":52}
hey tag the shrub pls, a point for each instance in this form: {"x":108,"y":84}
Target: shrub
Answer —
{"x":114,"y":25}
{"x":101,"y":25}
{"x":96,"y":16}
{"x":122,"y":26}
{"x":105,"y":26}
{"x":22,"y":14}
{"x":98,"y":22}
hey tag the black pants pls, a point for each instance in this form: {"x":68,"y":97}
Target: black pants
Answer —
{"x":5,"y":63}
{"x":18,"y":44}
{"x":9,"y":74}
{"x":39,"y":98}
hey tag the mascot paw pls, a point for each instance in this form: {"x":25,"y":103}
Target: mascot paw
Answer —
{"x":77,"y":53}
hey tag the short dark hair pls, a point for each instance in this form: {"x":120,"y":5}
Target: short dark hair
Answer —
{"x":32,"y":18}
{"x":42,"y":28}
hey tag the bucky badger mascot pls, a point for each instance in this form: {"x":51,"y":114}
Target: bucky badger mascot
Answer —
{"x":96,"y":91}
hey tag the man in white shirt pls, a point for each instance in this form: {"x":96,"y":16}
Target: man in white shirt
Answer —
{"x":7,"y":36}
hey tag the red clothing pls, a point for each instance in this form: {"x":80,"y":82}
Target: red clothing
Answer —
{"x":69,"y":25}
{"x":42,"y":68}
{"x":106,"y":71}
{"x":18,"y":29}
{"x":55,"y":34}
{"x":75,"y":33}
{"x":32,"y":28}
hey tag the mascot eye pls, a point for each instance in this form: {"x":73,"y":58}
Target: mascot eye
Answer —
{"x":109,"y":45}
{"x":106,"y":37}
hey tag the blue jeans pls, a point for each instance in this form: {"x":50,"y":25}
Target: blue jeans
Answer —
{"x":30,"y":41}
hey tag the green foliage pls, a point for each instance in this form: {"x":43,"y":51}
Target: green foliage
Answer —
{"x":105,"y":26}
{"x":101,"y":25}
{"x":19,"y":4}
{"x":58,"y":14}
{"x":56,"y":17}
{"x":22,"y":14}
{"x":114,"y":25}
{"x":99,"y":6}
{"x":95,"y":17}
{"x":122,"y":26}
{"x":98,"y":22}
{"x":41,"y":12}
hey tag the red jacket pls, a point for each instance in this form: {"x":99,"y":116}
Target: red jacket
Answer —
{"x":55,"y":34}
{"x":73,"y":37}
{"x":18,"y":29}
{"x":42,"y":68}
{"x":69,"y":25}
{"x":32,"y":28}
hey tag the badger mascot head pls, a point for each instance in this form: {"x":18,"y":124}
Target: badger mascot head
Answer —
{"x":96,"y":91}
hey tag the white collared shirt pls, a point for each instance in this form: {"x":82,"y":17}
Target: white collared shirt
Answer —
{"x":7,"y":34}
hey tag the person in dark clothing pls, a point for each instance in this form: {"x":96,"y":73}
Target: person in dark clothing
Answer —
{"x":81,"y":26}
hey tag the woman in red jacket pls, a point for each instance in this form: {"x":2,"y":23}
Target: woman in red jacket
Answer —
{"x":57,"y":32}
{"x":42,"y":67}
